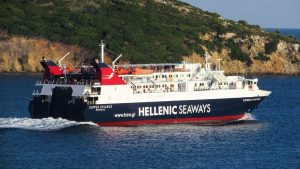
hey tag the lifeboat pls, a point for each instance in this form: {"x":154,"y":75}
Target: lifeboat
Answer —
{"x":142,"y":71}
{"x":121,"y":71}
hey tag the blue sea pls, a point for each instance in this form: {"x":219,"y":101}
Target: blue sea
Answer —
{"x":269,"y":138}
{"x":286,"y":31}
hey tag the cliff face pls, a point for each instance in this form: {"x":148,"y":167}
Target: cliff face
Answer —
{"x":21,"y":54}
{"x":284,"y":60}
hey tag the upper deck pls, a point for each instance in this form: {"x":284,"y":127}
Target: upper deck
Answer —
{"x":143,"y":78}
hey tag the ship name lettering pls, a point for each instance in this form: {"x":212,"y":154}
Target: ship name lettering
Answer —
{"x":93,"y":107}
{"x":157,"y":111}
{"x":251,"y":99}
{"x":100,"y":107}
{"x":198,"y":108}
{"x":173,"y":110}
{"x":109,"y":106}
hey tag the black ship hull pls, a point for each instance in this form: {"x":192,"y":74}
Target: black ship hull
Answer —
{"x":212,"y":111}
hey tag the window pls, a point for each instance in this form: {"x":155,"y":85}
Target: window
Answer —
{"x":92,"y":100}
{"x":96,"y":90}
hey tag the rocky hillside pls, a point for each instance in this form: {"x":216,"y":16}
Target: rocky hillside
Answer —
{"x":22,"y":54}
{"x":145,"y":31}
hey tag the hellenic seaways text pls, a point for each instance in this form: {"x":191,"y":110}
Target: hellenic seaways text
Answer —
{"x":174,"y":110}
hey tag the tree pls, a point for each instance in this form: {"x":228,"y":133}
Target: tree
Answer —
{"x":242,"y":22}
{"x":271,"y":46}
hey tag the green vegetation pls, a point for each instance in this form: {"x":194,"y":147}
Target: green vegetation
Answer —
{"x":237,"y":54}
{"x":261,"y":57}
{"x":271,"y":46}
{"x":143,"y":30}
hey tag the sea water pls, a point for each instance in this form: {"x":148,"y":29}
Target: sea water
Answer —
{"x":268,"y":138}
{"x":286,"y":31}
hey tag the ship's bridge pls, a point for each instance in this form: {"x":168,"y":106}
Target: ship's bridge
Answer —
{"x":250,"y":83}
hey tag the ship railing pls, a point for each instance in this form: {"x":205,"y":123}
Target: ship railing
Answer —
{"x":200,"y":88}
{"x":84,"y":82}
{"x":158,"y":67}
{"x":214,"y":86}
{"x":155,"y":90}
{"x":152,"y":91}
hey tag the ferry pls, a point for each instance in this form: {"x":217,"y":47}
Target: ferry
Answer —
{"x":139,"y":94}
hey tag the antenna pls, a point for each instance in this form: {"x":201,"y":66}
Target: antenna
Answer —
{"x":207,"y":64}
{"x":59,"y":61}
{"x":219,"y":64}
{"x":102,"y":51}
{"x":113,"y":63}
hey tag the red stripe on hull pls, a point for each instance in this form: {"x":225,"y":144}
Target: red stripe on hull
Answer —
{"x":202,"y":120}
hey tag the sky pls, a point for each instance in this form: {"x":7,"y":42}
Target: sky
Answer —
{"x":265,"y":13}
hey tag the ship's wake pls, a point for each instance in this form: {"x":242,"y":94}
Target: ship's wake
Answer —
{"x":248,"y":117}
{"x":46,"y":124}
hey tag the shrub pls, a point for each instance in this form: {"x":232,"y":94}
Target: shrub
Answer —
{"x":261,"y":57}
{"x":271,"y":46}
{"x":242,"y":22}
{"x":237,"y":54}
